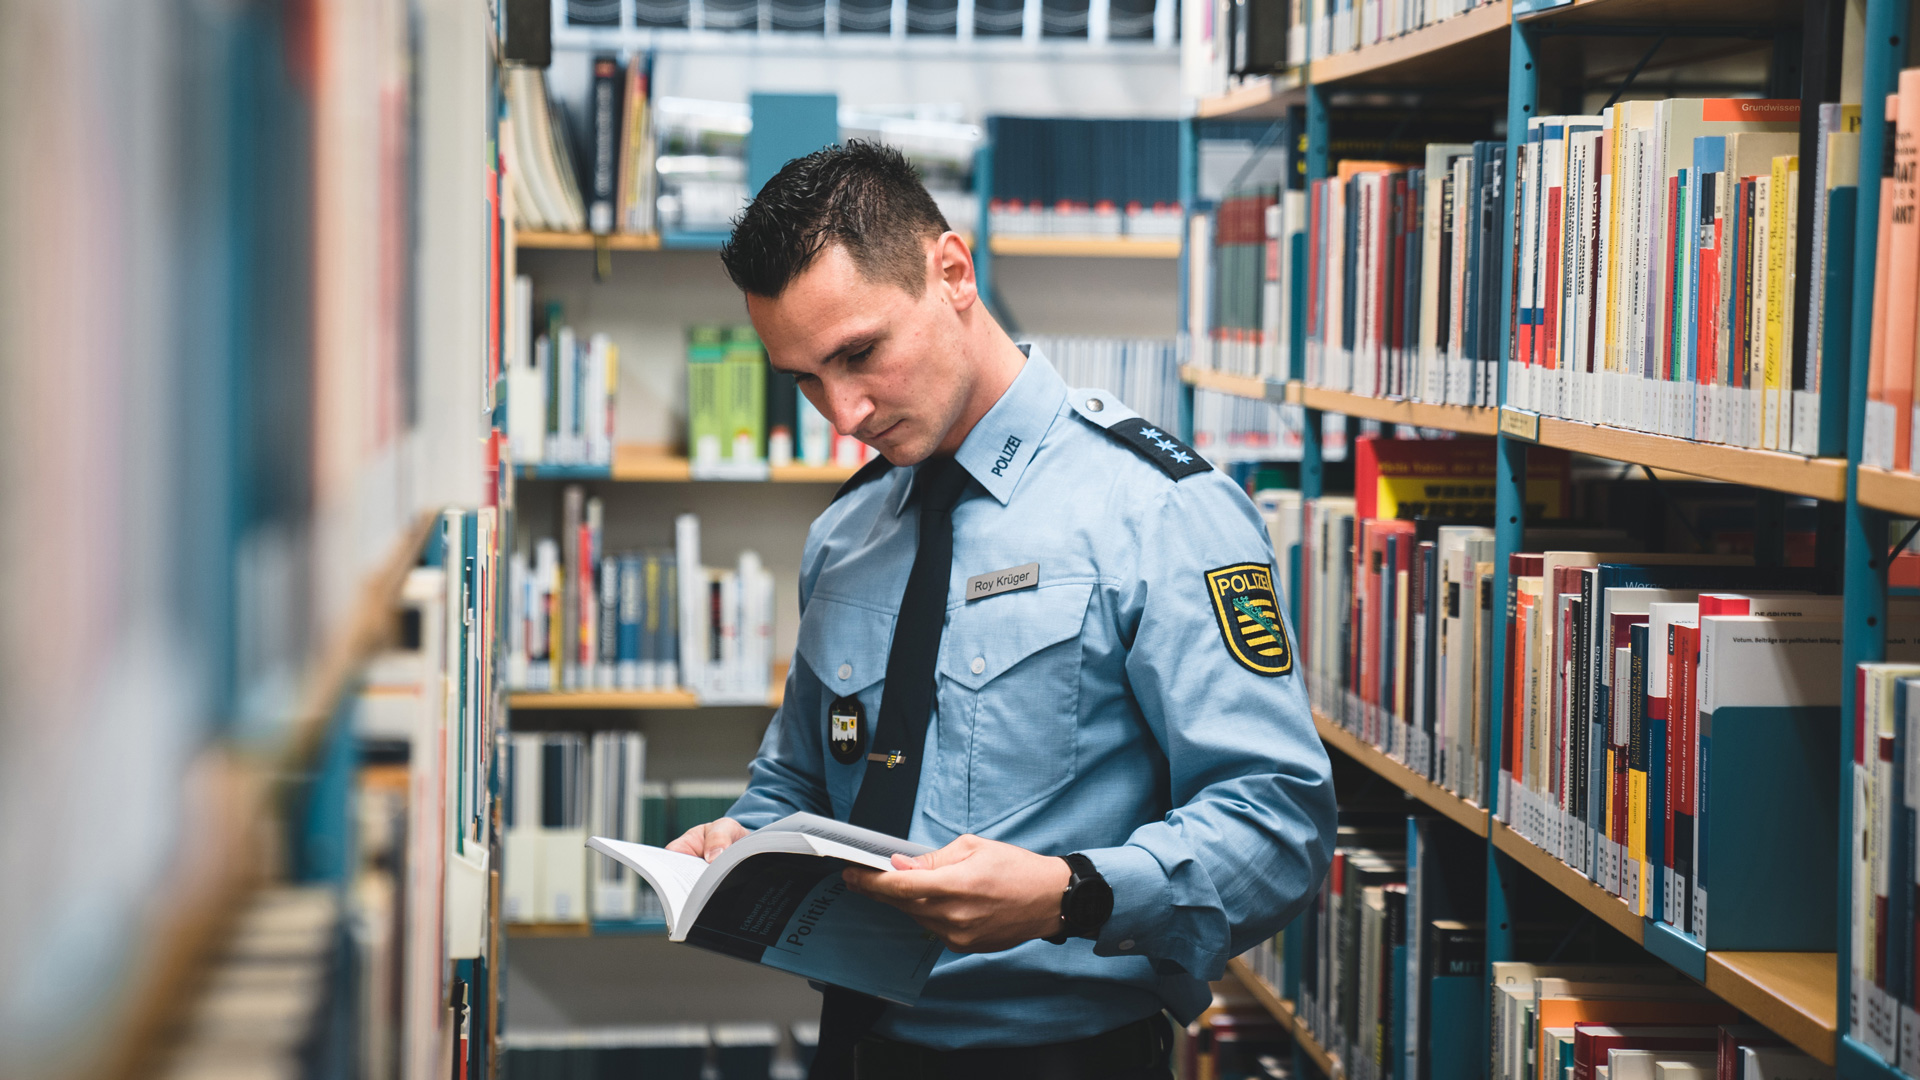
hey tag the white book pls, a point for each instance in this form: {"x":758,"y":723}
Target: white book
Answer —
{"x":693,"y":601}
{"x":791,"y":914}
{"x":614,"y":810}
{"x":566,"y":361}
{"x":520,"y":884}
{"x":526,"y":379}
{"x":563,"y":855}
{"x":1780,"y":1063}
{"x":597,"y":421}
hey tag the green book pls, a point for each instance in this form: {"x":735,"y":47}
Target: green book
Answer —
{"x":706,"y":421}
{"x":745,"y":385}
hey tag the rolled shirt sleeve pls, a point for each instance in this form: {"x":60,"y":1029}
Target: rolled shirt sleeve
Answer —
{"x":1251,"y":832}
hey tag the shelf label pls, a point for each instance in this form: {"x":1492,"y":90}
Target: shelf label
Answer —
{"x":1519,"y":424}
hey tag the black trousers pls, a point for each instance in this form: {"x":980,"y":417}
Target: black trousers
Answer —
{"x":1137,"y":1051}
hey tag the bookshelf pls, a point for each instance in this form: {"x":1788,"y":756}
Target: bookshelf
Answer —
{"x":1799,"y":995}
{"x":1282,"y":1009}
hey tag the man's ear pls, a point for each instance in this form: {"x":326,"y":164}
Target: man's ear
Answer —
{"x":953,"y":264}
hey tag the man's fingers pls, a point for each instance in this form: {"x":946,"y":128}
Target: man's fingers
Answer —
{"x":902,"y":885}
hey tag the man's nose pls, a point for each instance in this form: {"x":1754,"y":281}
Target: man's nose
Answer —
{"x":847,"y":408}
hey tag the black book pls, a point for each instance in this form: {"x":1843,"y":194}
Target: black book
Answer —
{"x":600,"y":179}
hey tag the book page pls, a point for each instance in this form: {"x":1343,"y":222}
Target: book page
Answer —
{"x":876,"y":848}
{"x":671,"y":874}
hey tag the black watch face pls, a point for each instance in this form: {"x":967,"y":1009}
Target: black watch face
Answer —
{"x":847,"y":730}
{"x":1091,"y":903}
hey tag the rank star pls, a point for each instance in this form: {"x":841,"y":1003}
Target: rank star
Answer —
{"x":1182,"y":459}
{"x":1149,"y":433}
{"x":1164,"y":444}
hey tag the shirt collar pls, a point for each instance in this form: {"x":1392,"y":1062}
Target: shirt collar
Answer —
{"x":1001,"y":446}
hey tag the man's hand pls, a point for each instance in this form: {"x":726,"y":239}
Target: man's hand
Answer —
{"x":976,"y":895}
{"x":709,"y":840}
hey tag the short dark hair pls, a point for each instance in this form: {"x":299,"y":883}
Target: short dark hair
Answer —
{"x":860,"y":195}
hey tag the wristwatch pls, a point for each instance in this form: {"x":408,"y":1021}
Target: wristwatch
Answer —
{"x":1086,"y":905}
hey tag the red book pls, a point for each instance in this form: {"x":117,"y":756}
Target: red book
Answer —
{"x":1549,"y":347}
{"x":1668,"y":323}
{"x":1592,"y":1042}
{"x":1733,"y":1037}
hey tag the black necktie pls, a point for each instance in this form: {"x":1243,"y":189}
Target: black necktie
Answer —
{"x":885,"y":801}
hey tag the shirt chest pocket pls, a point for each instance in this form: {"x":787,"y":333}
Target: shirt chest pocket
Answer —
{"x":1008,"y":727}
{"x":846,"y":646}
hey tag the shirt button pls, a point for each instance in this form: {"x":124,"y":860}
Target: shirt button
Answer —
{"x":846,"y":671}
{"x":1127,"y":945}
{"x":1094,"y":404}
{"x":979,"y":664}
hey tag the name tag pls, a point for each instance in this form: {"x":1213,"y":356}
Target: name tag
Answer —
{"x":999,"y":581}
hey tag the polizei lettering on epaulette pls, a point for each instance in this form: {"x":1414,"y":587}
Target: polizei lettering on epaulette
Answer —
{"x":810,"y":918}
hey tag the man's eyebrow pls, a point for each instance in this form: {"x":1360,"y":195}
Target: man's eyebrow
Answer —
{"x":851,"y":343}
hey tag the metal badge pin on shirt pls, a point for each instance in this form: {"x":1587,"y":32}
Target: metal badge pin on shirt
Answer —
{"x":1011,"y":579}
{"x":891,"y":758}
{"x":846,"y":729}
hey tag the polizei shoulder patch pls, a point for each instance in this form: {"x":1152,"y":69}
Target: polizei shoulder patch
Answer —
{"x":1172,"y":456}
{"x":1249,"y":616}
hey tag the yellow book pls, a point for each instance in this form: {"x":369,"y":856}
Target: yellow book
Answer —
{"x":1774,"y":362}
{"x":1616,"y":139}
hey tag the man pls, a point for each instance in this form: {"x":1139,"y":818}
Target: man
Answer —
{"x":1040,"y":635}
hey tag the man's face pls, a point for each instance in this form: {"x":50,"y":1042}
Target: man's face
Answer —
{"x":881,"y":365}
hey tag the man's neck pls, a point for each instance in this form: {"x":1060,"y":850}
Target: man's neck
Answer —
{"x":1001,"y":363}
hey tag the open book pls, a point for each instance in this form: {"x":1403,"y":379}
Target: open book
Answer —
{"x":776,"y":898}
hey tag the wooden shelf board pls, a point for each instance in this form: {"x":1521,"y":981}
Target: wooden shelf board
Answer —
{"x":641,"y":463}
{"x":813,"y":474}
{"x":580,"y":241}
{"x":1792,"y":993}
{"x":549,"y":929}
{"x":1450,"y":51}
{"x":1671,"y":12}
{"x":1456,"y":418}
{"x":1817,"y":478}
{"x":1894,"y":492}
{"x":1246,"y":386}
{"x":1099,"y":247}
{"x":1610,"y":908}
{"x":1467,"y":815}
{"x":604,"y":699}
{"x":1282,"y":1010}
{"x":640,"y":699}
{"x":1265,"y":97}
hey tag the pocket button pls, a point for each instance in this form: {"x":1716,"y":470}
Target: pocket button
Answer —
{"x":846,"y":671}
{"x":979,"y":664}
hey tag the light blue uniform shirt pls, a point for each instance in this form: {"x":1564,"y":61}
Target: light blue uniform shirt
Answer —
{"x":1103,"y":711}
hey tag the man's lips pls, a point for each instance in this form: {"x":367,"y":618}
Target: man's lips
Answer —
{"x":883,"y":433}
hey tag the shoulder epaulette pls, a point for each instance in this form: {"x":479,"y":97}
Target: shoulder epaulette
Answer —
{"x":871,"y":471}
{"x":1168,"y":454}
